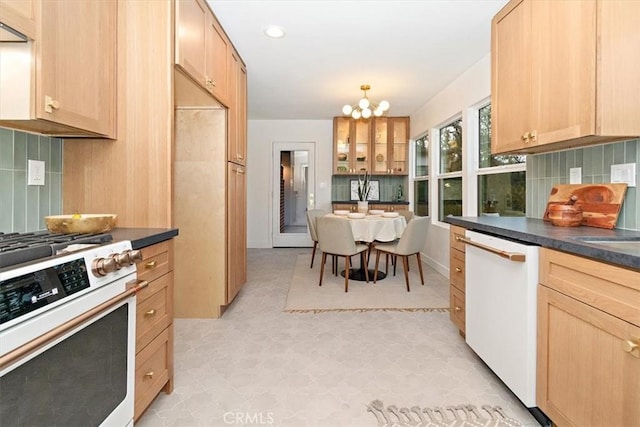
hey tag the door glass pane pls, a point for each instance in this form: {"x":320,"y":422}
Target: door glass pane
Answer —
{"x":294,"y":167}
{"x":502,"y":194}
{"x":450,"y":197}
{"x":380,"y":155}
{"x":343,"y":145}
{"x":400,"y":140}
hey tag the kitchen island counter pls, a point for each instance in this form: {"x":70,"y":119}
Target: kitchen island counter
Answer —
{"x":143,"y":237}
{"x":566,"y":239}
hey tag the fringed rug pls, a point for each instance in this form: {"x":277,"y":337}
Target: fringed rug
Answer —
{"x":388,"y":294}
{"x":448,"y":416}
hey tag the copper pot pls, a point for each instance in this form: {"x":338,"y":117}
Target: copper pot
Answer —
{"x":567,"y":215}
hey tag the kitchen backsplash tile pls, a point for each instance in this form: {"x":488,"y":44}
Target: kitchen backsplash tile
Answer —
{"x":24,"y":207}
{"x":341,"y":187}
{"x":549,"y":169}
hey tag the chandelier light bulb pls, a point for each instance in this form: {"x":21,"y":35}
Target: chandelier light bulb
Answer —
{"x":365,"y":108}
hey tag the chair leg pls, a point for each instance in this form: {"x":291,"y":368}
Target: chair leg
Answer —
{"x":405,"y":263}
{"x":375,"y":271}
{"x":420,"y":268}
{"x":313,"y":254}
{"x":366,"y":272}
{"x":324,"y":260}
{"x":386,"y":263}
{"x":347,"y":267}
{"x":395,"y":262}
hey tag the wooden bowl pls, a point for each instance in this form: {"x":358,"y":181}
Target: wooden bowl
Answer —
{"x":84,"y":224}
{"x":565,"y":215}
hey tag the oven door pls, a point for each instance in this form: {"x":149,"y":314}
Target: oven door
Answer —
{"x":84,"y":376}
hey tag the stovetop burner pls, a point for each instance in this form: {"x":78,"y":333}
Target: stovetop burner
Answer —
{"x":16,"y":248}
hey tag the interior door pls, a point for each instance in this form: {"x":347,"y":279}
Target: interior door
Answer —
{"x":293,"y":192}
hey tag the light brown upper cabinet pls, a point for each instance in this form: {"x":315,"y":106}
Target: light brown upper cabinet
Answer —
{"x":19,"y":15}
{"x":202,"y":49}
{"x":69,"y":89}
{"x":564,"y":74}
{"x":237,"y":133}
{"x":390,"y":146}
{"x":351,"y":146}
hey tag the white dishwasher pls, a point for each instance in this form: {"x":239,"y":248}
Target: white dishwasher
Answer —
{"x":501,"y":303}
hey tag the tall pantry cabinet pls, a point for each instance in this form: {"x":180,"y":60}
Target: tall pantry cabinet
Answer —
{"x":209,"y":165}
{"x":149,"y":176}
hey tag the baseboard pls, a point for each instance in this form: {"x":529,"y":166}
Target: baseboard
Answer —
{"x":435,"y":265}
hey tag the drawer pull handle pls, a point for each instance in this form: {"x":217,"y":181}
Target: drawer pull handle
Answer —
{"x":150,"y":264}
{"x":458,"y":270}
{"x":511,"y":256}
{"x":150,"y":313}
{"x":632,"y":346}
{"x":457,"y":309}
{"x":149,"y":375}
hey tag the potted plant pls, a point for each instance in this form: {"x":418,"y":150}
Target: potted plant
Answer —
{"x":364,"y":186}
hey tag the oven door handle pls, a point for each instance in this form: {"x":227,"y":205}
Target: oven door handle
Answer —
{"x":17,"y":354}
{"x":511,"y":256}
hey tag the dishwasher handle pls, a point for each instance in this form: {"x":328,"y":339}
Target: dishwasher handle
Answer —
{"x":511,"y":256}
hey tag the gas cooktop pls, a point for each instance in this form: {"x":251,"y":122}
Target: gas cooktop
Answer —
{"x":16,"y":248}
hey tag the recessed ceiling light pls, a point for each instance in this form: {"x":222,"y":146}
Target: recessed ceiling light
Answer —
{"x":274,"y":31}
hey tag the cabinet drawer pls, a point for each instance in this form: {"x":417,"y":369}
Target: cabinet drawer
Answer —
{"x":156,"y":261}
{"x":456,"y":269}
{"x":154,"y":310}
{"x":612,"y":289}
{"x":456,"y":313}
{"x":453,"y":232}
{"x":152,"y":371}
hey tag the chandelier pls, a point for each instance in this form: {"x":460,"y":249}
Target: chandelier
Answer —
{"x":365,"y":108}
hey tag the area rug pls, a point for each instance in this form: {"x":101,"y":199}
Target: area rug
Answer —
{"x":441,"y":416}
{"x":388,"y":294}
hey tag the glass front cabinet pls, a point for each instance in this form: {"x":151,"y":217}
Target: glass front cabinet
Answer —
{"x":378,"y":145}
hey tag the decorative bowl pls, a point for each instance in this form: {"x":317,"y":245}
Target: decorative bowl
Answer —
{"x":77,"y":223}
{"x":342,"y":156}
{"x":391,"y":214}
{"x":565,"y":215}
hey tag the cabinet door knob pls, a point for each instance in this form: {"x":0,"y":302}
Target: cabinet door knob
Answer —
{"x":50,"y":104}
{"x":457,"y":309}
{"x":524,"y":137}
{"x":149,"y":375}
{"x":150,"y":265}
{"x":150,"y":313}
{"x":632,"y":346}
{"x":458,"y":270}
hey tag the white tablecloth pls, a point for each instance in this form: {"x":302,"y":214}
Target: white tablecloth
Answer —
{"x":375,"y":227}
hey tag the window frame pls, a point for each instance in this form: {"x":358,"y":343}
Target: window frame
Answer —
{"x":421,"y":178}
{"x":436,"y":162}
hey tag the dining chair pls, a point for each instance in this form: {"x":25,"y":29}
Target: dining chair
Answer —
{"x":336,"y":238}
{"x":312,"y":215}
{"x":411,"y":243}
{"x":408,"y":215}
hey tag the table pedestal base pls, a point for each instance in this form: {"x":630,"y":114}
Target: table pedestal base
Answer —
{"x":358,"y":274}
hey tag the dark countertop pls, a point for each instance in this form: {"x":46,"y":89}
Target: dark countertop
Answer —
{"x":371,"y":202}
{"x":142,"y":237}
{"x":566,"y":239}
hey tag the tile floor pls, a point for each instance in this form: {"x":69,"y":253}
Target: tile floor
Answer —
{"x":260,"y":366}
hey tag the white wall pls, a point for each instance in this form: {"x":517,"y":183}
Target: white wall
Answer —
{"x":466,"y":91}
{"x":261,"y":136}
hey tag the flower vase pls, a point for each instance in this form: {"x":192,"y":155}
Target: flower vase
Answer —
{"x":363,"y":207}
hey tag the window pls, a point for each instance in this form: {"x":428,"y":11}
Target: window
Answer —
{"x":421,"y":181}
{"x":501,"y":179}
{"x":450,"y":174}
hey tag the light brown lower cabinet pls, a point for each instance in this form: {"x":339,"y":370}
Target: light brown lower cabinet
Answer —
{"x":457,"y":279}
{"x":588,"y":336}
{"x":154,"y":326}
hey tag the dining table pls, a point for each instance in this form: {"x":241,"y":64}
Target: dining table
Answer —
{"x":369,"y":229}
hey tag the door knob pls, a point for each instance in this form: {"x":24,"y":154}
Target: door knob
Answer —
{"x":632,"y":346}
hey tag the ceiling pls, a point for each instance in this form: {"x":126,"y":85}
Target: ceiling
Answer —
{"x":406,"y":50}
